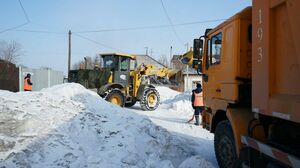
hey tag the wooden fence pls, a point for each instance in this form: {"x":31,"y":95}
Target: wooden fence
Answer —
{"x":9,"y":76}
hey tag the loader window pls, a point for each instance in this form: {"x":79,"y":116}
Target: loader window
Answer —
{"x":110,"y":62}
{"x":124,"y":64}
{"x":133,"y":64}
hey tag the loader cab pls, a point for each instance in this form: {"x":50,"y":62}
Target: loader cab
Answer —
{"x":120,"y":66}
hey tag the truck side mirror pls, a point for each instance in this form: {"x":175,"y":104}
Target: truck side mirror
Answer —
{"x":198,"y":46}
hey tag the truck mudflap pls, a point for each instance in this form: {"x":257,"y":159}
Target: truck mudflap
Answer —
{"x":274,"y":153}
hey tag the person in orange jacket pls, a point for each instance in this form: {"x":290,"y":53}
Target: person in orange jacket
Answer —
{"x":197,"y":102}
{"x":27,"y":83}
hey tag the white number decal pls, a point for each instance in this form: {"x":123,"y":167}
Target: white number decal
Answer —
{"x":260,"y":33}
{"x":260,"y":55}
{"x":260,"y":16}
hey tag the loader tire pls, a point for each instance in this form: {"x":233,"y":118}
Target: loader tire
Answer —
{"x":225,"y":145}
{"x":115,"y":96}
{"x":150,"y":99}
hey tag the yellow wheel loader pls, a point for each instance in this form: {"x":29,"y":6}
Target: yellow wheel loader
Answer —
{"x":121,"y":82}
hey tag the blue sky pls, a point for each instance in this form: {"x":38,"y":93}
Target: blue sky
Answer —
{"x":58,"y":16}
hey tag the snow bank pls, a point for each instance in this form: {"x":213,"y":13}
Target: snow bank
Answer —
{"x":176,"y":101}
{"x":69,"y":126}
{"x":173,"y":114}
{"x":166,"y":93}
{"x":180,"y":103}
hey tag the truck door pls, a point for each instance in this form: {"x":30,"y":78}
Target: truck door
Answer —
{"x":213,"y":68}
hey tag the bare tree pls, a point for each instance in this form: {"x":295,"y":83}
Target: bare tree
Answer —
{"x":87,"y":63}
{"x":75,"y":66}
{"x":164,"y":60}
{"x":97,"y":61}
{"x":10,"y":51}
{"x":78,"y":65}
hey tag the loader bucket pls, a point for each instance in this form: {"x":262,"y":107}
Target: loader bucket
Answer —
{"x":173,"y":78}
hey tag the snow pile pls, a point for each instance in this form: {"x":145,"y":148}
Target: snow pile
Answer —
{"x":69,"y":126}
{"x":180,"y":103}
{"x":166,"y":93}
{"x":175,"y":101}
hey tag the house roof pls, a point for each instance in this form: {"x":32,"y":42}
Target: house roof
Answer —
{"x":146,"y":59}
{"x":175,"y":57}
{"x":191,"y":71}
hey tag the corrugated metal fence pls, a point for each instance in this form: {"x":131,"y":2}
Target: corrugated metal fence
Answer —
{"x":41,"y":78}
{"x":12,"y":77}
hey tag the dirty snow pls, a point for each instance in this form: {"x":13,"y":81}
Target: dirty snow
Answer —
{"x":70,"y":126}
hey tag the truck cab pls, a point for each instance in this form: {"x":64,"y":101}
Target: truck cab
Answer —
{"x":251,"y":85}
{"x":224,"y":61}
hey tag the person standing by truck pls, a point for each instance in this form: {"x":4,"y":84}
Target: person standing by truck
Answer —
{"x":27,"y":83}
{"x":197,"y":102}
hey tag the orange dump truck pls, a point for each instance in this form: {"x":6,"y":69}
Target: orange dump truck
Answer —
{"x":251,"y":85}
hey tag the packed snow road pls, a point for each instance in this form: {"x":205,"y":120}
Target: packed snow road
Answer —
{"x":69,"y":126}
{"x":173,"y":113}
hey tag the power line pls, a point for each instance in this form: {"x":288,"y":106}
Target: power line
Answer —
{"x":24,"y":11}
{"x":21,"y":25}
{"x":96,"y":42}
{"x":170,"y":21}
{"x":40,"y":31}
{"x":198,"y":22}
{"x":108,"y":30}
{"x":149,"y":27}
{"x":12,"y":28}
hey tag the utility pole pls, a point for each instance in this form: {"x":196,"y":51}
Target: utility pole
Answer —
{"x":171,"y":48}
{"x":69,"y":57}
{"x":151,"y":52}
{"x":100,"y":61}
{"x":187,"y":47}
{"x":187,"y":69}
{"x":85,"y":63}
{"x":187,"y":77}
{"x":146,"y":50}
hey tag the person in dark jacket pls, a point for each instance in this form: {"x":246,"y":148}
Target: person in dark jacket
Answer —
{"x":197,"y":102}
{"x":27,"y":83}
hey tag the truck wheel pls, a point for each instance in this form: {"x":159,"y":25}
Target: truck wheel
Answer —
{"x":150,"y":99}
{"x":225,"y":145}
{"x":115,"y":97}
{"x":130,"y":104}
